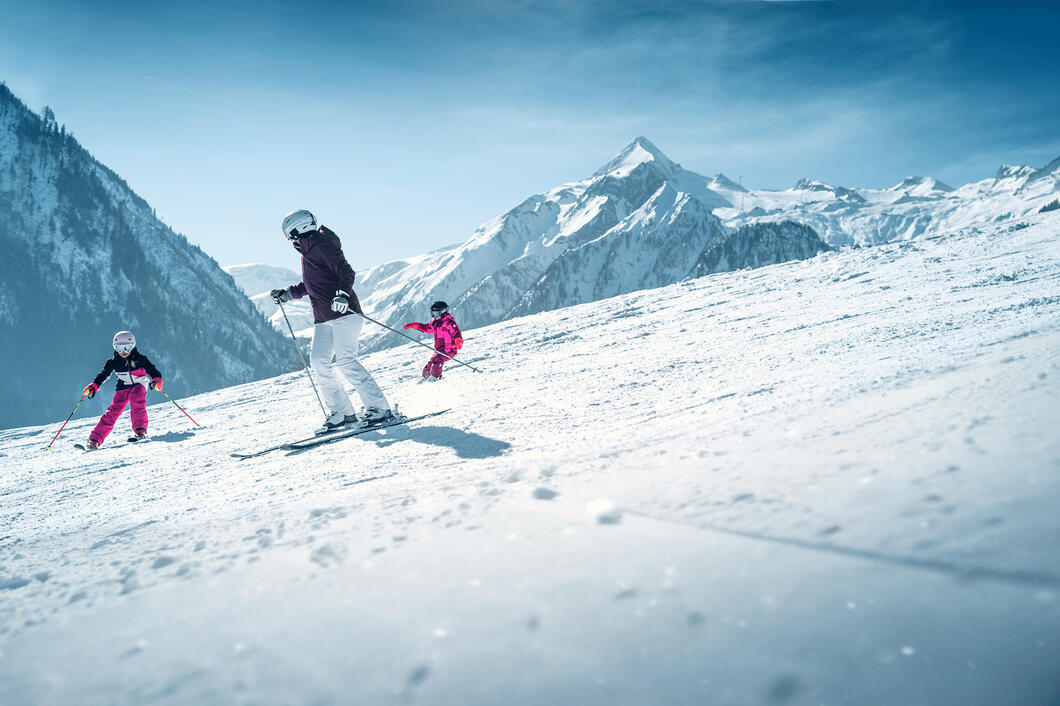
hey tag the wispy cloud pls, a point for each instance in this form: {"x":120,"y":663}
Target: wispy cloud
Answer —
{"x":473,"y":104}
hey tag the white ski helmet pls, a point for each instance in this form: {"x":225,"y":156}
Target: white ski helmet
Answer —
{"x":124,"y":341}
{"x":298,"y":223}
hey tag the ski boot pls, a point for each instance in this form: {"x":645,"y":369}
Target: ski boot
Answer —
{"x":374,"y":417}
{"x":336,"y":421}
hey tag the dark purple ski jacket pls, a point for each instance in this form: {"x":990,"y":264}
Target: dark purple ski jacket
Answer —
{"x":324,"y":272}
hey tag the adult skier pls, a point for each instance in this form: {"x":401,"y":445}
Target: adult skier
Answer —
{"x":327,"y":279}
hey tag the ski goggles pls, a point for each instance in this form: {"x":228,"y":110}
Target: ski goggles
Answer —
{"x":124,"y":347}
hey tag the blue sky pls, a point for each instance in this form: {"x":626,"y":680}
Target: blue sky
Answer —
{"x":404,"y":125}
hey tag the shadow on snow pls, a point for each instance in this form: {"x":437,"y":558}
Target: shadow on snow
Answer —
{"x":466,"y":444}
{"x":172,"y":436}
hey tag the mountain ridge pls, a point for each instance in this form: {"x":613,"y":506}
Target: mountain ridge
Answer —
{"x":86,"y":256}
{"x":524,"y":259}
{"x":503,"y":269}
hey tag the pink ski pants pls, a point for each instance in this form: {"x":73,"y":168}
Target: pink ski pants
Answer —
{"x":136,"y":398}
{"x":434,"y":365}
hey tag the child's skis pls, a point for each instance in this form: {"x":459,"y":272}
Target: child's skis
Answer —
{"x":131,"y":440}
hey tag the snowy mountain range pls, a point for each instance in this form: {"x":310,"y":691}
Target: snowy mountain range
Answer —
{"x":643,"y":221}
{"x":640,"y":221}
{"x":84,"y":256}
{"x":917,"y":206}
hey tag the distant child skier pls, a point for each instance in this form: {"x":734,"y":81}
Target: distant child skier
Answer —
{"x":327,"y":279}
{"x":135,"y":374}
{"x":447,"y":339}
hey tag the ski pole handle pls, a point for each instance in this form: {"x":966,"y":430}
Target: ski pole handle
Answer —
{"x":83,"y":396}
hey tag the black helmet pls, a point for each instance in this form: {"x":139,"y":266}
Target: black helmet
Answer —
{"x":439,"y":308}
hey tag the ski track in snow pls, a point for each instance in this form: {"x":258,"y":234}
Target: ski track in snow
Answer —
{"x":827,"y":481}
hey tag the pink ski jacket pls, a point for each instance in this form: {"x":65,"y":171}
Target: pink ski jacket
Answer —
{"x":447,"y":336}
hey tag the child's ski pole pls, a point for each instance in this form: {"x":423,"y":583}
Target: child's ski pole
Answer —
{"x":434,"y":350}
{"x":65,"y":423}
{"x":304,"y":365}
{"x":179,"y":407}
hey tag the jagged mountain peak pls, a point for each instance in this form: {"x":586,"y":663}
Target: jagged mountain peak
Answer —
{"x":808,"y":184}
{"x":637,"y":152}
{"x":1011,"y":171}
{"x":720,"y":181}
{"x":1052,"y":168}
{"x":921,"y":183}
{"x":840,"y":192}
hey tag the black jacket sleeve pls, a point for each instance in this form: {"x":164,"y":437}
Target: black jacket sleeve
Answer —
{"x":108,"y":368}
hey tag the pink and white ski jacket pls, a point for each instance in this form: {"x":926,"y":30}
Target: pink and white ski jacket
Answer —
{"x":447,"y":336}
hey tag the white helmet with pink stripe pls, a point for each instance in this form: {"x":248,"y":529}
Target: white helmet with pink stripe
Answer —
{"x":124,"y":341}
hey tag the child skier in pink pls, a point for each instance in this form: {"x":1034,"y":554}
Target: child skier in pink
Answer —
{"x":135,"y":373}
{"x":447,"y":339}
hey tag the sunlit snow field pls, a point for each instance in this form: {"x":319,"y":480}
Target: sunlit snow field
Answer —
{"x":834,"y":481}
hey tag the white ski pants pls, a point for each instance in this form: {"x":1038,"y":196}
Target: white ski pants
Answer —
{"x":334,"y":349}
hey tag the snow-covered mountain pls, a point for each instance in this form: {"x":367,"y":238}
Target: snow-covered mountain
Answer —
{"x":643,"y":221}
{"x":831,"y":481}
{"x":639,"y":221}
{"x":653,"y":246}
{"x":759,"y":245}
{"x":83,"y":257}
{"x":915,"y":207}
{"x":257,"y":281}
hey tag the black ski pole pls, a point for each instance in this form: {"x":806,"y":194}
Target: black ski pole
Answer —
{"x":304,"y":364}
{"x":380,"y":323}
{"x":65,"y":423}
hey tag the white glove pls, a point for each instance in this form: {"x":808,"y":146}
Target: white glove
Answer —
{"x":341,"y":302}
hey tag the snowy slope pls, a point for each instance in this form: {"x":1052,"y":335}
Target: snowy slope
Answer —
{"x":257,"y":281}
{"x":830,"y":481}
{"x":83,"y":257}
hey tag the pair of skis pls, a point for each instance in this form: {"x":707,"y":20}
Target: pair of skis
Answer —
{"x":335,"y":436}
{"x":130,"y":440}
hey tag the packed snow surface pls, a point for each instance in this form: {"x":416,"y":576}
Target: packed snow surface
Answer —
{"x":832,"y":481}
